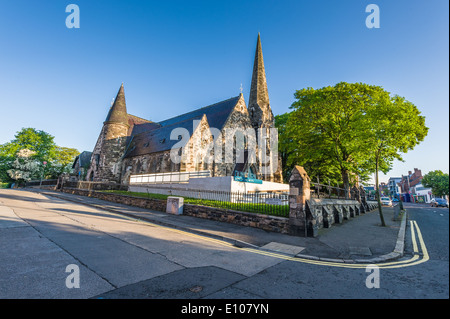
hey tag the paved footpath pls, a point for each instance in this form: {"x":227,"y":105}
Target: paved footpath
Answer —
{"x":360,"y":239}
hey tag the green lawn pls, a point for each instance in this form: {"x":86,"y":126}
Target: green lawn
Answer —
{"x":282,"y":211}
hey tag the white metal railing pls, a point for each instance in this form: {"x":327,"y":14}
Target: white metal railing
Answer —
{"x":166,"y":178}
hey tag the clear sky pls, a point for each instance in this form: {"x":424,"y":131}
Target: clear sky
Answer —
{"x":176,"y":56}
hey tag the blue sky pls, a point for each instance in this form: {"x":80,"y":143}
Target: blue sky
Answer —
{"x":176,"y":56}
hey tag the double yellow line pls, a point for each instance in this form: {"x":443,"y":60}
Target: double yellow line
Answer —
{"x":415,"y":260}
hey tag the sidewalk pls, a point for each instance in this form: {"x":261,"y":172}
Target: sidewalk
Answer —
{"x":358,"y":240}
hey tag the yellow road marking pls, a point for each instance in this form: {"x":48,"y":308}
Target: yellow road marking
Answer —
{"x":395,"y":264}
{"x":426,"y":257}
{"x":413,"y":237}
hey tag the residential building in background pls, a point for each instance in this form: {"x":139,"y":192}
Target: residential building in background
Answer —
{"x":408,"y":185}
{"x":384,"y":189}
{"x":422,"y":194}
{"x":394,"y":188}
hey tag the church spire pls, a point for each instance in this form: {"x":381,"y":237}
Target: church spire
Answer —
{"x":118,"y":111}
{"x":259,"y":105}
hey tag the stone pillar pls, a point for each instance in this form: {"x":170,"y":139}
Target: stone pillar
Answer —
{"x":338,"y":214}
{"x":364,"y":206}
{"x":357,"y":196}
{"x":299,"y":193}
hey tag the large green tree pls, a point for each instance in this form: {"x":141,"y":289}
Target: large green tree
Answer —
{"x":438,"y":181}
{"x":324,"y":130}
{"x":349,"y":131}
{"x":23,"y":157}
{"x":37,"y":141}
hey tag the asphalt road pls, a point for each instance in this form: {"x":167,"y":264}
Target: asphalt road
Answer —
{"x":118,"y":257}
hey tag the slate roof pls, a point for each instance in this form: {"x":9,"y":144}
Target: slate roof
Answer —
{"x":156,"y":140}
{"x":118,"y":112}
{"x":139,"y":125}
{"x":83,"y":158}
{"x":216,"y":113}
{"x":155,"y":137}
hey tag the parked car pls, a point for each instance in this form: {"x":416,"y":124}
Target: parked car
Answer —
{"x":386,"y":201}
{"x":435,"y":202}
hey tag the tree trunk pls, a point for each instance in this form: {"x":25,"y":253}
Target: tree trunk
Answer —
{"x":345,"y":179}
{"x":377,"y":194}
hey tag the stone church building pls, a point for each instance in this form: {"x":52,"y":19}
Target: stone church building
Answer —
{"x":129,"y":145}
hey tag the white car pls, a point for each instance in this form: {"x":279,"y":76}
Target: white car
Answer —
{"x":386,"y":201}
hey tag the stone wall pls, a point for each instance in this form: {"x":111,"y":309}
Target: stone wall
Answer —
{"x":195,"y":152}
{"x":107,"y":154}
{"x":238,"y":120}
{"x":152,"y":204}
{"x":266,"y":222}
{"x":158,"y":162}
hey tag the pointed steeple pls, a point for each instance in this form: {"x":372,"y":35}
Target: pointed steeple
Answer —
{"x":118,"y":111}
{"x":259,"y":105}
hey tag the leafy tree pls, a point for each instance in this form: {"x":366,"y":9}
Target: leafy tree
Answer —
{"x":5,"y":164}
{"x":34,"y":140}
{"x":290,"y":153}
{"x":283,"y":143}
{"x":438,"y":181}
{"x":324,"y":130}
{"x":24,"y":168}
{"x":61,"y":162}
{"x":41,"y":148}
{"x":393,"y":126}
{"x":349,"y":130}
